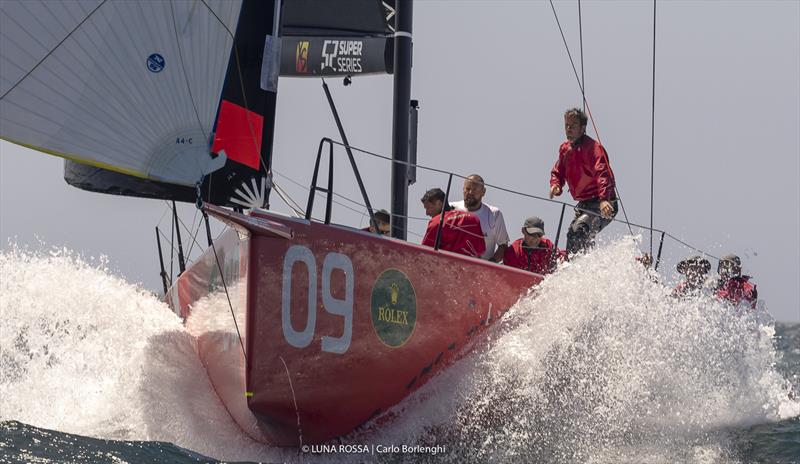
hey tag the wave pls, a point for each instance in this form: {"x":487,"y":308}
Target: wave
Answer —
{"x":597,"y":364}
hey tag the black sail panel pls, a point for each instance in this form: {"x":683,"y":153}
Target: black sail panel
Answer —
{"x":245,"y":122}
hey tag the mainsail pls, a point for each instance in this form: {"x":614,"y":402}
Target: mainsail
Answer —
{"x":156,"y":99}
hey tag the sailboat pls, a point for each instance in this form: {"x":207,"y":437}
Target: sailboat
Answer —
{"x":324,"y":327}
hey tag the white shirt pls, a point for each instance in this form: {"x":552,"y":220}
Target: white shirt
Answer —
{"x":492,"y":224}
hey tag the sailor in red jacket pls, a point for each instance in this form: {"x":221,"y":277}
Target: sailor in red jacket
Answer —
{"x":533,"y":252}
{"x":583,"y":164}
{"x":732,"y":286}
{"x":461,"y":232}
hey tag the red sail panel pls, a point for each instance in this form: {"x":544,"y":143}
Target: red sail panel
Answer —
{"x":239,"y":134}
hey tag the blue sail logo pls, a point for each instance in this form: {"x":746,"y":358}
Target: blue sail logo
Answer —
{"x":155,"y":63}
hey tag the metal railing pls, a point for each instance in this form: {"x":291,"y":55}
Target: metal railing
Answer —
{"x":350,"y":149}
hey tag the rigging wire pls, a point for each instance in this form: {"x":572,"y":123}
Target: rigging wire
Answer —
{"x":361,"y":212}
{"x":580,"y":35}
{"x":589,"y":111}
{"x":569,"y":54}
{"x":304,"y":187}
{"x":228,"y":296}
{"x":288,"y":200}
{"x":172,"y":246}
{"x":189,"y":231}
{"x":241,"y":87}
{"x":653,"y":130}
{"x":522,"y":194}
{"x":581,"y":83}
{"x":53,"y":49}
{"x":183,"y":68}
{"x":194,"y":235}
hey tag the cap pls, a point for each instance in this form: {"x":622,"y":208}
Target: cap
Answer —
{"x":533,"y":225}
{"x":730,"y":265}
{"x":694,"y":262}
{"x":732,"y":258}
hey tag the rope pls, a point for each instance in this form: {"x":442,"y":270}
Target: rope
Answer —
{"x":572,"y":62}
{"x":526,"y":195}
{"x":580,"y":35}
{"x":191,"y":234}
{"x":228,"y":296}
{"x":171,"y":244}
{"x":183,"y":68}
{"x":298,"y":212}
{"x":54,"y":49}
{"x":689,"y":246}
{"x":305,"y":187}
{"x":172,"y":247}
{"x":237,"y":61}
{"x":653,"y":131}
{"x":588,"y":109}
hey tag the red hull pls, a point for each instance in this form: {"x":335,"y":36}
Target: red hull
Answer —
{"x":340,"y":324}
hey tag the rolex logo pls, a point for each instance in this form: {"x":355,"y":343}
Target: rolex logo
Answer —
{"x":393,"y":317}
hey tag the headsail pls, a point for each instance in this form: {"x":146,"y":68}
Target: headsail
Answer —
{"x":128,"y":86}
{"x":130,"y":92}
{"x":318,"y":38}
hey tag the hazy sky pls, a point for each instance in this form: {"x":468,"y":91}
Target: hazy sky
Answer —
{"x":493,"y":80}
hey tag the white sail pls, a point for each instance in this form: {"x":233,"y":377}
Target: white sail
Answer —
{"x":124,"y":85}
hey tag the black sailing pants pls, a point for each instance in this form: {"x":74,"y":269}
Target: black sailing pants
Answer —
{"x":587,"y":223}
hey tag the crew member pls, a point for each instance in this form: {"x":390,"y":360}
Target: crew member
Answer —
{"x":382,"y":218}
{"x":533,"y":252}
{"x":461,"y":232}
{"x":732,"y":286}
{"x":695,"y":268}
{"x":583,"y":164}
{"x":492,"y":223}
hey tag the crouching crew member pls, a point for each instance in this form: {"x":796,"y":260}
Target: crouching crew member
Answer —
{"x":732,"y":286}
{"x":383,"y":219}
{"x":695,"y":268}
{"x":533,"y":252}
{"x":461,"y":232}
{"x":583,"y":164}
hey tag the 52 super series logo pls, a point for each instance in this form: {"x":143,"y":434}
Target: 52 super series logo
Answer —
{"x":342,"y":56}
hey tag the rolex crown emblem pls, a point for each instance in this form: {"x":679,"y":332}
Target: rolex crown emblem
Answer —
{"x":395,"y":293}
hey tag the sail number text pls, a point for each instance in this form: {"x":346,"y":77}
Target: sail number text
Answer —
{"x":299,"y":255}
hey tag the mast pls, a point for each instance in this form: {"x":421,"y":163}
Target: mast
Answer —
{"x":400,"y":120}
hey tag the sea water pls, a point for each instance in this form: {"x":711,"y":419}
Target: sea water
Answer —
{"x":597,"y":364}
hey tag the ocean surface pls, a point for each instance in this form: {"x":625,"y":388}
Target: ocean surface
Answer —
{"x":597,"y":365}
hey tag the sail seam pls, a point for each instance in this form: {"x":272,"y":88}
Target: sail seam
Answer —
{"x":183,"y":68}
{"x":53,"y":50}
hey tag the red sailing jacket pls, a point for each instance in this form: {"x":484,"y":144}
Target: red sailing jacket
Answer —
{"x":586,"y":170}
{"x":738,"y":289}
{"x":538,"y":260}
{"x":461,"y":233}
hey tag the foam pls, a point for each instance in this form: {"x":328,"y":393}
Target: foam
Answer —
{"x":598,"y":364}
